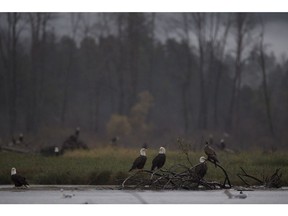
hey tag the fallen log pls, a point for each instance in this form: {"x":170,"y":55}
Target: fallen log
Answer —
{"x":15,"y":149}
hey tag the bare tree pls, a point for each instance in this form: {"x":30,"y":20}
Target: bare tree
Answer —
{"x":181,"y":24}
{"x":97,"y":62}
{"x":186,"y":84}
{"x":131,"y":29}
{"x":221,"y":44}
{"x":262,"y":63}
{"x":134,"y":30}
{"x":151,"y":53}
{"x":243,"y":24}
{"x":120,"y":64}
{"x":9,"y":41}
{"x":199,"y":20}
{"x":38,"y":23}
{"x":75,"y":19}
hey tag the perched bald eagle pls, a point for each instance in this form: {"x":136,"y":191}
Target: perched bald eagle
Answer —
{"x":21,"y":138}
{"x":19,"y":141}
{"x":210,"y":152}
{"x":17,"y":179}
{"x":201,"y":168}
{"x":115,"y":140}
{"x":159,"y":160}
{"x":73,"y":142}
{"x":140,"y":161}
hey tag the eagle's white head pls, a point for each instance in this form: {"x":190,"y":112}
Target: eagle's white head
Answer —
{"x":162,"y":150}
{"x":56,"y":149}
{"x":13,"y":171}
{"x":143,"y":151}
{"x":202,"y":159}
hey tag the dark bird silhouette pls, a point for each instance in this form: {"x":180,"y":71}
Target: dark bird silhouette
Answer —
{"x":159,"y":161}
{"x":21,"y":138}
{"x":115,"y":140}
{"x":201,"y":168}
{"x":74,"y":137}
{"x":140,"y":161}
{"x":73,"y":142}
{"x":210,"y":152}
{"x":222,"y":145}
{"x":17,"y":179}
{"x":145,"y":145}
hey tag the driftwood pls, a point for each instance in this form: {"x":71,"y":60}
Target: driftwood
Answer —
{"x":226,"y":176}
{"x":177,"y":177}
{"x":16,"y":149}
{"x":273,"y":181}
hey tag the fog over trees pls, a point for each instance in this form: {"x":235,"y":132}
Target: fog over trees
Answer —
{"x":144,"y":77}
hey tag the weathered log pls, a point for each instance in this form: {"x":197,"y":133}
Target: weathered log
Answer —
{"x":16,"y":149}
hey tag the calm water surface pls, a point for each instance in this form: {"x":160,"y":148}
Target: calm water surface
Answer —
{"x":95,"y":195}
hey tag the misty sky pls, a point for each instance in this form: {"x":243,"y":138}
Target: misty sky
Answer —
{"x":276,"y":31}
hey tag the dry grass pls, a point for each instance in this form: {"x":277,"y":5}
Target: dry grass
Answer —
{"x":110,"y":165}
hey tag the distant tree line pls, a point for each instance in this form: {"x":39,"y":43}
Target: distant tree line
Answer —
{"x":206,"y":72}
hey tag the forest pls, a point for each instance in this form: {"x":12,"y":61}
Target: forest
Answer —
{"x":143,"y":78}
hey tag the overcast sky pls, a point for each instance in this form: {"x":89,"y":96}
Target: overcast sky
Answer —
{"x":276,"y":31}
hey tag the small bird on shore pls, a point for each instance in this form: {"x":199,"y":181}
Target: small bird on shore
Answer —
{"x":159,"y":161}
{"x":17,"y":179}
{"x":67,"y":195}
{"x":140,"y":161}
{"x":241,"y":195}
{"x":210,"y":152}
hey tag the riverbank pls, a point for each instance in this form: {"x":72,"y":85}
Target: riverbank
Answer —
{"x":109,"y":166}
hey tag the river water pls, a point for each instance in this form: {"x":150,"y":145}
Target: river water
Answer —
{"x":97,"y":195}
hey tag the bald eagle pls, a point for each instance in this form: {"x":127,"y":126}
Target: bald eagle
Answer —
{"x":21,"y":138}
{"x":17,"y":179}
{"x":19,"y":141}
{"x":201,"y":168}
{"x":140,"y":161}
{"x":159,"y":160}
{"x":210,"y":152}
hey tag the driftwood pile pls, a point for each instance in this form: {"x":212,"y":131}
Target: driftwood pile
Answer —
{"x":183,"y":177}
{"x":176,"y":177}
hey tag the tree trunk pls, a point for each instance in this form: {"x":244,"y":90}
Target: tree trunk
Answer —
{"x":219,"y":71}
{"x":38,"y":23}
{"x":231,"y":118}
{"x":265,"y":88}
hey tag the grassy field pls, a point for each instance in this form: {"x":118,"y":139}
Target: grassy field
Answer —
{"x":110,"y":165}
